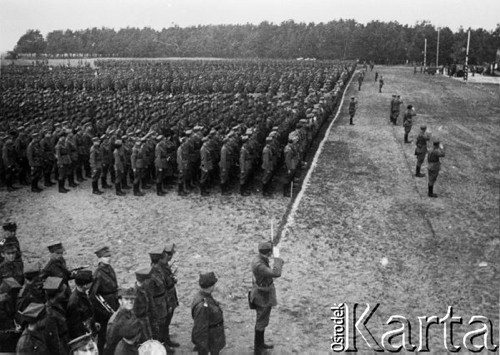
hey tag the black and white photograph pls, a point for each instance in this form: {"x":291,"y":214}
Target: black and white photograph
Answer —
{"x":249,"y":177}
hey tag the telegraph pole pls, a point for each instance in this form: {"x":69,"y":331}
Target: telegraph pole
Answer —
{"x":466,"y":68}
{"x":437,"y":51}
{"x":425,"y":53}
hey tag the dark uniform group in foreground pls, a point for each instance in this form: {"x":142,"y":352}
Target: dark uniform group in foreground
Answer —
{"x":41,"y":314}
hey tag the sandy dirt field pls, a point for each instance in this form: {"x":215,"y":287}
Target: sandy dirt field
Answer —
{"x":361,"y":204}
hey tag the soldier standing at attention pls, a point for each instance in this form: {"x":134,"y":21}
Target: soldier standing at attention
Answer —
{"x":170,"y":291}
{"x":408,"y":121}
{"x":63,"y":161}
{"x":137,"y":163}
{"x":9,"y":160}
{"x":208,"y":328}
{"x":9,"y":267}
{"x":291,"y":162}
{"x":182,"y":166}
{"x":361,"y":77}
{"x":56,"y":267}
{"x":206,"y":166}
{"x":245,"y":166}
{"x":224,"y":167}
{"x":380,"y":83}
{"x":263,"y":294}
{"x":352,"y":109}
{"x":267,"y":167}
{"x":433,"y":166}
{"x":143,"y":305}
{"x":104,"y":286}
{"x":10,"y":229}
{"x":35,"y":156}
{"x":95,"y":161}
{"x":48,"y":158}
{"x":119,"y":167}
{"x":160,"y":163}
{"x":421,"y":149}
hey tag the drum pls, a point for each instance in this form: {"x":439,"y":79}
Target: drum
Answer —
{"x":152,"y":347}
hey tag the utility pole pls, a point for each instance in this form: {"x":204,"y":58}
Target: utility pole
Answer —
{"x":425,"y":53}
{"x":466,"y":67}
{"x":437,"y":51}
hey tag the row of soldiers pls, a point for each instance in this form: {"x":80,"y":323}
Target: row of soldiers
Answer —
{"x":39,"y":313}
{"x":195,"y":155}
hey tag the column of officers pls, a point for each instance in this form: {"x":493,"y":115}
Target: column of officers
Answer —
{"x":195,"y":157}
{"x":41,"y":314}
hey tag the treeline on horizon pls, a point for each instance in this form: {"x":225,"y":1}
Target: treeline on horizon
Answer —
{"x":381,"y":42}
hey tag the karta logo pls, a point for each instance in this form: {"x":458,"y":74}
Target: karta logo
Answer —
{"x":348,"y":326}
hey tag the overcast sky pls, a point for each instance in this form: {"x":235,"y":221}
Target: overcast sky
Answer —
{"x":17,"y":16}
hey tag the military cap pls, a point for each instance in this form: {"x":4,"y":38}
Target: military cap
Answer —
{"x":169,"y":248}
{"x":189,"y":132}
{"x":9,"y":226}
{"x":95,"y":139}
{"x":156,"y":255}
{"x":55,"y":247}
{"x":125,"y":137}
{"x":409,"y":107}
{"x":436,"y":143}
{"x":33,"y":313}
{"x":159,"y":138}
{"x":103,"y":137}
{"x":248,"y":131}
{"x":130,"y":329}
{"x":394,"y":95}
{"x":197,"y":128}
{"x":213,"y":131}
{"x":225,"y":139}
{"x":83,"y":277}
{"x":35,"y":134}
{"x":423,"y":127}
{"x":128,"y":292}
{"x":52,"y":283}
{"x":143,"y":274}
{"x":265,"y":247}
{"x":207,"y":280}
{"x":244,"y":138}
{"x":204,"y":139}
{"x":269,"y":139}
{"x":8,"y":284}
{"x":118,"y":142}
{"x":104,"y":251}
{"x":80,"y":342}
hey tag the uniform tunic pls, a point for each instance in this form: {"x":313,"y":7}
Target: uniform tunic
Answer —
{"x":32,"y":342}
{"x":208,"y":328}
{"x":434,"y":165}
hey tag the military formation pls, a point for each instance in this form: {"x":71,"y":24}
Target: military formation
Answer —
{"x":41,"y":312}
{"x":173,"y":126}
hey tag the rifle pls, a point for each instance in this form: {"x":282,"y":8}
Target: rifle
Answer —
{"x":79,"y":268}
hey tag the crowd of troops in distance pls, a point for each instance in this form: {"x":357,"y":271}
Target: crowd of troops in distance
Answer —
{"x":40,"y":313}
{"x":164,"y":124}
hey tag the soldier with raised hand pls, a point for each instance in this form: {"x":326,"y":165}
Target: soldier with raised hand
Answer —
{"x":408,"y":121}
{"x":124,"y":314}
{"x":206,"y":166}
{"x":35,"y":156}
{"x":263,"y":293}
{"x":119,"y":167}
{"x":421,"y":149}
{"x":434,"y":165}
{"x":208,"y":328}
{"x":160,"y":163}
{"x":95,"y":160}
{"x":104,"y":287}
{"x":352,"y":109}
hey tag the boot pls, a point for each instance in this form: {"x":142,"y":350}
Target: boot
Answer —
{"x":95,"y":188}
{"x":224,"y":189}
{"x":431,"y":192}
{"x":203,"y":189}
{"x":243,"y":190}
{"x":104,"y":183}
{"x":118,"y":190}
{"x":350,"y":122}
{"x":71,"y":180}
{"x":34,"y":186}
{"x":48,"y":182}
{"x":406,"y":138}
{"x":159,"y":190}
{"x":124,"y":184}
{"x":145,"y":185}
{"x":180,"y":189}
{"x":418,"y":174}
{"x":266,"y":189}
{"x":259,"y":344}
{"x":137,"y":191}
{"x":61,"y":187}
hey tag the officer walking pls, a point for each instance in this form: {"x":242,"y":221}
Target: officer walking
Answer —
{"x":263,"y":293}
{"x":208,"y":328}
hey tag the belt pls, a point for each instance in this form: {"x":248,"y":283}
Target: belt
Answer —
{"x":220,"y":324}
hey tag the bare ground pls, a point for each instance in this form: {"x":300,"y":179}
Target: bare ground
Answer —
{"x":362,"y":204}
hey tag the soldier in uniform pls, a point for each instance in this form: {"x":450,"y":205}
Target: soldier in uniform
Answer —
{"x":245,"y":166}
{"x":32,"y":291}
{"x":206,"y":166}
{"x":9,"y":334}
{"x":9,"y":161}
{"x":143,"y":305}
{"x":160,"y":163}
{"x":56,"y":329}
{"x":225,"y":166}
{"x":56,"y":267}
{"x":208,"y":328}
{"x":127,"y":152}
{"x":95,"y":160}
{"x":263,"y":293}
{"x":170,"y":291}
{"x":124,"y":314}
{"x":421,"y":149}
{"x":352,"y":109}
{"x":104,"y":286}
{"x":107,"y":161}
{"x":130,"y":333}
{"x":63,"y":161}
{"x":182,"y":166}
{"x":380,"y":83}
{"x":73,"y":154}
{"x":35,"y":156}
{"x":361,"y":77}
{"x":433,"y":165}
{"x":119,"y":167}
{"x":33,"y":340}
{"x":291,"y":162}
{"x":83,"y":345}
{"x":267,"y":167}
{"x":395,"y":108}
{"x":408,"y":121}
{"x":48,"y":158}
{"x":80,"y":313}
{"x":137,"y":163}
{"x":20,"y":145}
{"x":9,"y":267}
{"x":10,"y":229}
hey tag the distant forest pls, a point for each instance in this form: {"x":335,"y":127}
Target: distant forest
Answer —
{"x":381,"y":42}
